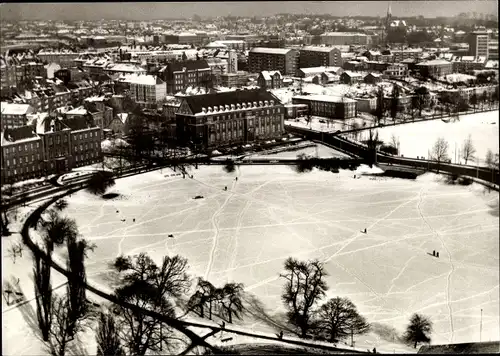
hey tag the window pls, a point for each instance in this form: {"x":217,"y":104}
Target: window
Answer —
{"x":8,"y":163}
{"x":38,"y":145}
{"x":31,"y":146}
{"x":14,"y":161}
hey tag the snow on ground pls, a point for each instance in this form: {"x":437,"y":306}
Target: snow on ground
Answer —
{"x":314,"y":150}
{"x":329,"y":125}
{"x":458,"y":77}
{"x":244,"y":234}
{"x":417,"y":138}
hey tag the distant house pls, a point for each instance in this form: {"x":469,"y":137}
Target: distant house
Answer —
{"x":349,"y":77}
{"x":435,"y":68}
{"x":14,"y":115}
{"x":491,"y":347}
{"x":327,"y":78}
{"x":311,"y":72}
{"x":354,"y":65}
{"x":372,"y":78}
{"x":396,"y":70}
{"x":270,"y":79}
{"x":120,"y":124}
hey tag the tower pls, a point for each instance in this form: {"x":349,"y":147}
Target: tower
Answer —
{"x":388,"y":19}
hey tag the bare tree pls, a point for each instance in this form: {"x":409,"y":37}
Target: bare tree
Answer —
{"x":395,"y":142}
{"x":418,"y":330}
{"x":338,"y":318}
{"x":99,"y":182}
{"x":491,"y":159}
{"x":108,"y":336}
{"x":468,"y":150}
{"x":439,"y":151}
{"x":230,"y":300}
{"x":62,"y":330}
{"x":58,"y":229}
{"x":43,"y":292}
{"x":146,"y":285}
{"x":304,"y":287}
{"x":77,"y":279}
{"x":203,"y":296}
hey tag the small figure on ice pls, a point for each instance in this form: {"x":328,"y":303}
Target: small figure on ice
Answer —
{"x":236,"y":178}
{"x":133,"y":219}
{"x":225,"y":188}
{"x":437,"y":254}
{"x":171,"y":235}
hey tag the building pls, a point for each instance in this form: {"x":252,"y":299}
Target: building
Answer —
{"x":328,"y":78}
{"x":319,"y":57}
{"x":123,"y":67}
{"x":51,"y":145}
{"x":349,"y":77}
{"x":372,"y":78}
{"x":14,"y":115}
{"x":344,"y":38}
{"x":148,"y":89}
{"x":328,"y":106}
{"x":478,"y":43}
{"x":22,"y":154}
{"x":493,"y":49}
{"x":435,"y":68}
{"x":282,"y":60}
{"x":181,"y":75}
{"x":64,"y":58}
{"x":402,"y":54}
{"x":376,"y":66}
{"x":270,"y":80}
{"x":468,"y":63}
{"x":396,"y":70}
{"x":229,"y":118}
{"x":50,"y":70}
{"x":310,"y":72}
{"x":119,"y":125}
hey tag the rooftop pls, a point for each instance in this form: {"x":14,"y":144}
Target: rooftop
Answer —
{"x":325,"y":98}
{"x":491,"y":347}
{"x":270,"y":50}
{"x":15,"y":109}
{"x":318,"y":49}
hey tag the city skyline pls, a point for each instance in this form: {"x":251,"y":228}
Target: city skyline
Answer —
{"x":155,"y":10}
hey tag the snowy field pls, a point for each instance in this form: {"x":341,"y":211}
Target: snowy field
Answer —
{"x":417,"y":138}
{"x":244,"y":234}
{"x":316,"y":150}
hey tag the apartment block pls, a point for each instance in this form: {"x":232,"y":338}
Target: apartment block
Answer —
{"x":319,"y":57}
{"x":283,"y":60}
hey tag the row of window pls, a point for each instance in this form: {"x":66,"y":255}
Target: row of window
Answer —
{"x":20,"y":148}
{"x":86,"y":146}
{"x":26,"y":159}
{"x":238,"y":134}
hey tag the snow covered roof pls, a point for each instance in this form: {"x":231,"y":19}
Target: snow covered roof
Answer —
{"x":77,"y":111}
{"x":14,"y":109}
{"x":317,"y":49}
{"x":123,"y":117}
{"x":270,"y":50}
{"x":491,"y":64}
{"x":325,"y":98}
{"x":434,"y":62}
{"x":314,"y":70}
{"x":352,"y":74}
{"x":146,"y":80}
{"x":267,"y":74}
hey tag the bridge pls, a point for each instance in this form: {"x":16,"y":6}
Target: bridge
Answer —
{"x":363,"y":152}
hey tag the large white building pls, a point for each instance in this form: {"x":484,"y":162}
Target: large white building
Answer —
{"x":148,"y":89}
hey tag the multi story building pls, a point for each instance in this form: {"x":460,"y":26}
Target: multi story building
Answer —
{"x":493,"y":49}
{"x":344,"y":38}
{"x":283,"y":60}
{"x":22,"y":154}
{"x":467,"y":63}
{"x":148,"y":89}
{"x":181,"y":75}
{"x":51,"y":145}
{"x":63,"y":58}
{"x":478,"y":43}
{"x":230,"y":117}
{"x":328,"y":106}
{"x":319,"y":56}
{"x":435,"y":68}
{"x":400,"y":55}
{"x":396,"y":70}
{"x":14,"y":115}
{"x":270,"y":80}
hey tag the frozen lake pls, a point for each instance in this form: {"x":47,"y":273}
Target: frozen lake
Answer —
{"x":417,"y":138}
{"x":244,"y":234}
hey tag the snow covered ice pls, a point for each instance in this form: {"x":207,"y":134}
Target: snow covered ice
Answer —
{"x":244,"y":234}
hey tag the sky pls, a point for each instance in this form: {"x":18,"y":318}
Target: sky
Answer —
{"x":159,"y":10}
